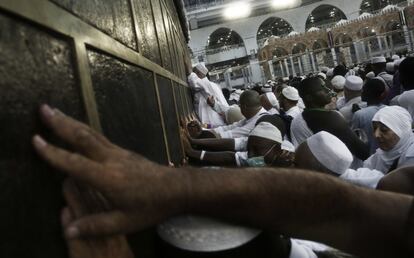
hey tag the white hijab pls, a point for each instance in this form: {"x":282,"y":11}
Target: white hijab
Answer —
{"x":400,"y":122}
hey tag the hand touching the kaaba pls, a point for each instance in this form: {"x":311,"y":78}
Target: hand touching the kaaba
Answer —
{"x":81,"y":201}
{"x":141,"y":192}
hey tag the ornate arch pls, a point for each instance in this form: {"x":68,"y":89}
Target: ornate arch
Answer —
{"x":273,"y":26}
{"x":324,"y":14}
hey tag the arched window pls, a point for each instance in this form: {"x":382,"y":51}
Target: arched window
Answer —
{"x":369,"y":6}
{"x":298,"y":48}
{"x":324,"y":14}
{"x":223,"y":37}
{"x":343,"y":39}
{"x":279,"y":52}
{"x":394,"y":34}
{"x":273,"y":26}
{"x":319,"y":44}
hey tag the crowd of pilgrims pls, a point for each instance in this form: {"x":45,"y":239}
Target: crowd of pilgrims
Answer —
{"x":355,"y":123}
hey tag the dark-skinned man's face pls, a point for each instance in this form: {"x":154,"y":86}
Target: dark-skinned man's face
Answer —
{"x":321,"y":94}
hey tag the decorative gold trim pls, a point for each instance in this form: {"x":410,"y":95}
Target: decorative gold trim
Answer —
{"x":53,"y":17}
{"x":178,"y":120}
{"x":135,"y":23}
{"x":164,"y":130}
{"x":86,"y":85}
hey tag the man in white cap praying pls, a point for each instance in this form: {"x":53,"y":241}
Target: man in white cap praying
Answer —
{"x":266,"y":88}
{"x":338,"y":84}
{"x":240,"y":144}
{"x":263,"y":146}
{"x":325,"y":153}
{"x":203,"y":90}
{"x":270,"y":103}
{"x":289,"y":100}
{"x":352,"y":94}
{"x":379,"y":67}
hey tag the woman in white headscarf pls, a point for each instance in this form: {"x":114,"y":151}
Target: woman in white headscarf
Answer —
{"x":393,"y":132}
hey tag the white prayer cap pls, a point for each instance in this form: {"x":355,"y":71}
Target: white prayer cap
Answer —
{"x":354,"y":83}
{"x":268,"y":131}
{"x":390,"y":67}
{"x":267,"y":88}
{"x":396,"y":118}
{"x":356,"y":69}
{"x":398,"y":62}
{"x":234,"y":114}
{"x":272,"y":99}
{"x":349,"y":73}
{"x":324,"y":69}
{"x":285,"y":79}
{"x":406,"y":100}
{"x":378,"y":59}
{"x":330,"y":72}
{"x":202,"y":68}
{"x":370,"y":75}
{"x":287,"y":145}
{"x":395,"y":57}
{"x":291,"y":93}
{"x":338,"y":82}
{"x":331,"y":152}
{"x":322,"y":75}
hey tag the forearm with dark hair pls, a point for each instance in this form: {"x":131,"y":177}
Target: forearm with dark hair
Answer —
{"x":303,"y":205}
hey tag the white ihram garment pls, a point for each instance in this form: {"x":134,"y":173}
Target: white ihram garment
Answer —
{"x":202,"y":90}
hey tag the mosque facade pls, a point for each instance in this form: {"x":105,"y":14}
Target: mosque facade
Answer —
{"x":299,"y":40}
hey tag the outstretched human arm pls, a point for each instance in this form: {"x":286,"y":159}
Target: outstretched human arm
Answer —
{"x":80,"y":201}
{"x":221,"y":158}
{"x":364,"y":222}
{"x":214,"y":144}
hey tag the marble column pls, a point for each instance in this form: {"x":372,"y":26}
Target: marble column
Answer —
{"x":334,"y":59}
{"x":357,"y":56}
{"x":281,"y":68}
{"x":407,"y":38}
{"x":300,"y":66}
{"x":292,"y":64}
{"x":287,"y":68}
{"x":312,"y":57}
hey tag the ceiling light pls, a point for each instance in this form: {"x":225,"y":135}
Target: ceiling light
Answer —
{"x":237,"y":10}
{"x":285,"y":4}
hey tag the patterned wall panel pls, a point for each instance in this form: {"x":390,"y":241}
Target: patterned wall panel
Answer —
{"x":170,"y":119}
{"x":127,"y":106}
{"x":112,"y":17}
{"x":147,"y":33}
{"x":36,"y":66}
{"x":98,"y":61}
{"x":162,"y":35}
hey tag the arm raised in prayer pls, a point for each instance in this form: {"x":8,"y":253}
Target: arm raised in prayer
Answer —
{"x":364,"y":222}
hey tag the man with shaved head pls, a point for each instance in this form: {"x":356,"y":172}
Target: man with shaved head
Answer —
{"x":252,"y":110}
